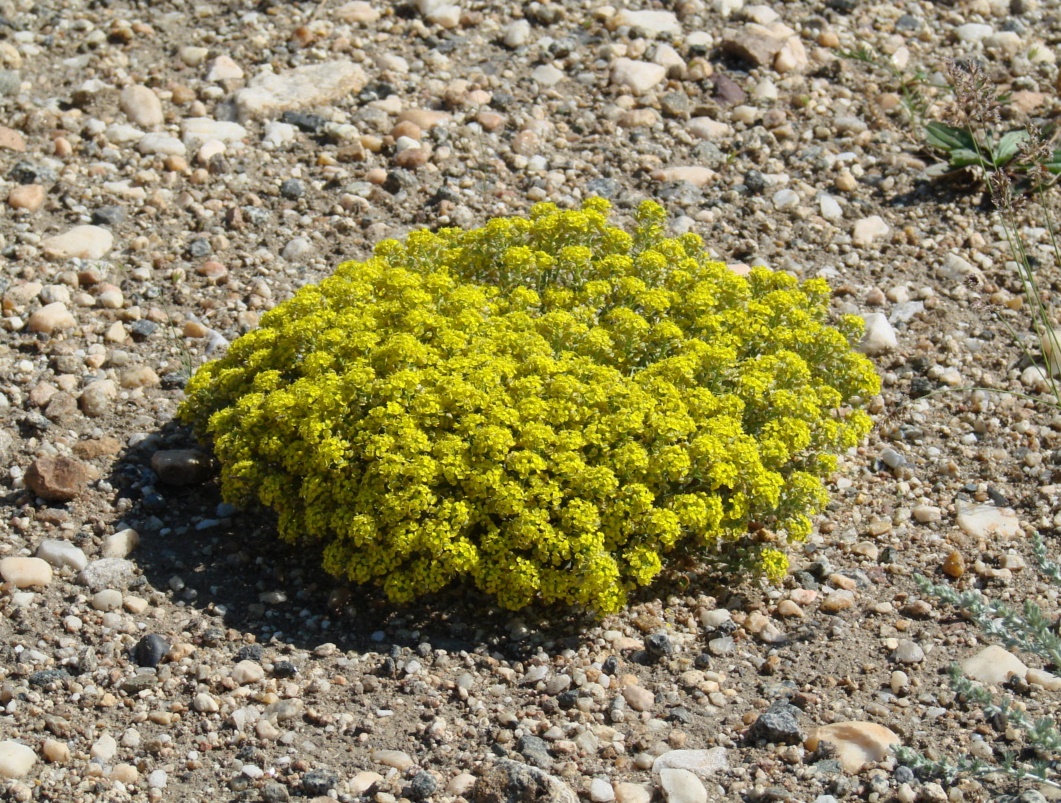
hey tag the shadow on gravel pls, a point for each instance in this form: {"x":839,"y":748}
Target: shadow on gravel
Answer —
{"x":232,"y":570}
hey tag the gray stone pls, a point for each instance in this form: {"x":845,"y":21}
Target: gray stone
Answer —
{"x":107,"y":573}
{"x":778,"y":725}
{"x":509,"y":781}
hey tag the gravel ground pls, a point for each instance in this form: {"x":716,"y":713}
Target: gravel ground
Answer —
{"x":171,"y":173}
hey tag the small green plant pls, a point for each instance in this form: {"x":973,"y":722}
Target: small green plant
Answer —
{"x":544,"y":406}
{"x":964,"y":149}
{"x":1027,"y":630}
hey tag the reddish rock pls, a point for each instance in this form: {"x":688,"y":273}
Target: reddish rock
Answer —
{"x":59,"y":479}
{"x":106,"y":446}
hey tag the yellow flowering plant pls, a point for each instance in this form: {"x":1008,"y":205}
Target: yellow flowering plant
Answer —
{"x":545,"y":406}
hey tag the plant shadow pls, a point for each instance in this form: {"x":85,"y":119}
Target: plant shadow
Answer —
{"x":250,"y":587}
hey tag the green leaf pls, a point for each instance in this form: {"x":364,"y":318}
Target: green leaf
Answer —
{"x":965,"y":157}
{"x":1053,"y":164}
{"x":947,"y":137}
{"x":1008,"y":146}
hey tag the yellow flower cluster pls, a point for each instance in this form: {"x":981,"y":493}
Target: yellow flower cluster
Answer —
{"x":545,"y":406}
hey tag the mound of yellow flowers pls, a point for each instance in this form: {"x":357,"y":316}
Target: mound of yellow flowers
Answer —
{"x":543,"y":406}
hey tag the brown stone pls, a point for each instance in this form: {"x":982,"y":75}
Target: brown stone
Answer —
{"x":412,"y":158}
{"x":954,"y":565}
{"x":61,"y":407}
{"x":11,"y":140}
{"x":182,"y":466}
{"x":106,"y":446}
{"x":59,"y":479}
{"x":26,"y":196}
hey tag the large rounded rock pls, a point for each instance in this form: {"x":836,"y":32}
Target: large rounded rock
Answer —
{"x":59,"y":479}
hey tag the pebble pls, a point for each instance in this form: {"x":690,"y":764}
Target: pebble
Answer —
{"x":547,"y":75}
{"x":830,"y":208}
{"x":908,"y":652}
{"x":697,"y":175}
{"x":159,"y":144}
{"x":268,"y":94}
{"x":398,"y":759}
{"x":988,"y":521}
{"x":247,"y":672}
{"x":857,"y":743}
{"x":98,"y":397}
{"x":632,"y":793}
{"x":778,"y":725}
{"x":121,"y":544}
{"x":601,"y":791}
{"x":150,"y":650}
{"x":837,"y":601}
{"x":223,"y":68}
{"x":517,"y":34}
{"x":54,"y":317}
{"x":363,"y":781}
{"x":699,"y":762}
{"x":182,"y":467}
{"x":104,"y":748}
{"x":682,"y":786}
{"x":55,"y":752}
{"x":868,"y":230}
{"x":62,"y":554}
{"x":649,"y":22}
{"x":879,"y":337}
{"x":59,"y":479}
{"x":197,"y":131}
{"x":107,"y":573}
{"x":358,"y":12}
{"x":26,"y":196}
{"x":927,"y":514}
{"x":106,"y":600}
{"x":639,"y":698}
{"x":993,"y":665}
{"x":973,"y":32}
{"x":507,"y":780}
{"x":26,"y":572}
{"x":16,"y":759}
{"x":637,"y":76}
{"x":142,"y":106}
{"x":83,"y":242}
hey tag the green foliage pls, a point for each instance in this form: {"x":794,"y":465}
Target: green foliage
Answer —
{"x":964,"y":149}
{"x":1027,"y":630}
{"x":544,"y":406}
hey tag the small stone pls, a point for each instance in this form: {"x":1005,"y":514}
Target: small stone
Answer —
{"x":517,"y":34}
{"x":125,"y":773}
{"x":182,"y":466}
{"x":632,"y":793}
{"x":697,"y":175}
{"x":16,"y":759}
{"x":547,"y":75}
{"x":98,"y":397}
{"x":508,"y":781}
{"x":857,"y":743}
{"x":837,"y":601}
{"x":62,"y":554}
{"x":756,"y":43}
{"x":55,"y":752}
{"x":639,"y":698}
{"x":357,"y":11}
{"x":868,"y":230}
{"x":699,"y":762}
{"x":121,"y":544}
{"x":422,"y":786}
{"x":879,"y":337}
{"x":150,"y":650}
{"x":269,"y":94}
{"x":292,"y":188}
{"x":682,"y":786}
{"x":830,"y":208}
{"x":197,"y":131}
{"x":142,"y":106}
{"x":364,"y":781}
{"x":54,"y":317}
{"x":247,"y":672}
{"x":104,"y":748}
{"x":319,"y":782}
{"x":82,"y":242}
{"x":601,"y":791}
{"x":993,"y":665}
{"x":651,"y":22}
{"x":707,"y":128}
{"x":954,"y":564}
{"x":297,"y":248}
{"x":159,"y":144}
{"x":139,"y":376}
{"x":106,"y":600}
{"x":107,"y":573}
{"x":11,"y":140}
{"x":777,"y":725}
{"x":398,"y":759}
{"x":908,"y":652}
{"x":988,"y":522}
{"x":26,"y":196}
{"x":25,"y":572}
{"x":205,"y":704}
{"x":424,"y":119}
{"x":59,"y":479}
{"x":973,"y":32}
{"x":637,"y":76}
{"x":1040,"y":677}
{"x":223,"y":68}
